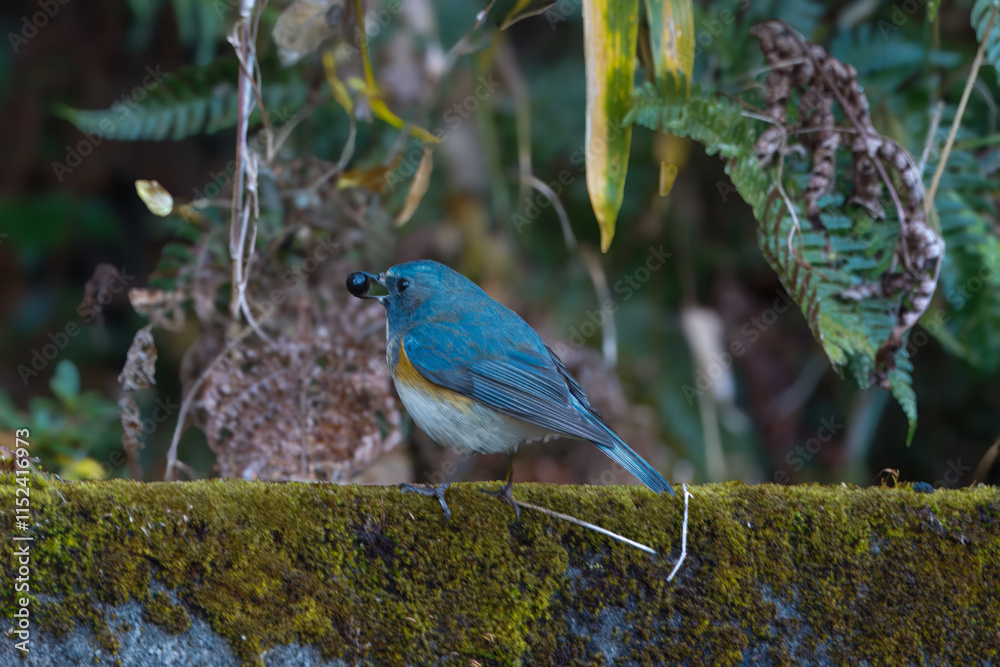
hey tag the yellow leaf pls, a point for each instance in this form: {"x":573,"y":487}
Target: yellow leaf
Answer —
{"x":78,"y":469}
{"x":610,"y":34}
{"x":671,"y":36}
{"x":668,"y":174}
{"x":371,"y":91}
{"x":672,"y":154}
{"x":418,"y":187}
{"x":190,"y":213}
{"x":155,"y":197}
{"x":373,"y":178}
{"x":337,"y":87}
{"x":382,"y":111}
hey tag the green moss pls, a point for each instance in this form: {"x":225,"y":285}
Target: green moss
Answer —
{"x":366,"y":573}
{"x":161,"y":611}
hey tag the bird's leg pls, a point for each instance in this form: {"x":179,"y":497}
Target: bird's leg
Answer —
{"x":434,"y":492}
{"x":504,"y":494}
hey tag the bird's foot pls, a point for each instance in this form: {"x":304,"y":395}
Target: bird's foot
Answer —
{"x":436,"y":491}
{"x":505,"y":495}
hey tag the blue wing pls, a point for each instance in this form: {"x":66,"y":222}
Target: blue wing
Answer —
{"x":525,"y":380}
{"x":519,"y":381}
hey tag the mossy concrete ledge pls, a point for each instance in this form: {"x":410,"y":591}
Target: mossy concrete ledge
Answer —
{"x":226,"y":572}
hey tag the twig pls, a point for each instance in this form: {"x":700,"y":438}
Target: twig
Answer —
{"x":931,"y":133}
{"x":901,"y":212}
{"x":754,"y":73}
{"x":239,"y":39}
{"x":580,"y":522}
{"x":929,"y":199}
{"x":796,"y":226}
{"x":568,"y":237}
{"x":979,"y":474}
{"x":609,"y":331}
{"x":277,"y":138}
{"x":609,"y":343}
{"x":792,"y":210}
{"x":347,"y":152}
{"x":172,"y":461}
{"x":186,"y":469}
{"x":245,"y":211}
{"x":795,"y":396}
{"x":684,"y":535}
{"x":866,"y":132}
{"x":506,"y":61}
{"x":708,"y":412}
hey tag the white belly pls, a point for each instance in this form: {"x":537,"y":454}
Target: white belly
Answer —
{"x":469,"y":428}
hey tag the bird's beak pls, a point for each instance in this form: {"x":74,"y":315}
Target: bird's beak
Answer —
{"x":379,"y":280}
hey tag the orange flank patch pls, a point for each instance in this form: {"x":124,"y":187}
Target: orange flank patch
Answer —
{"x":407,"y":374}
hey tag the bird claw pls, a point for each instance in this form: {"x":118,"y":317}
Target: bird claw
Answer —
{"x":436,"y":491}
{"x":505,"y":495}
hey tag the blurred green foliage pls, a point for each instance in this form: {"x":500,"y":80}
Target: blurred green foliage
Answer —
{"x":70,"y":433}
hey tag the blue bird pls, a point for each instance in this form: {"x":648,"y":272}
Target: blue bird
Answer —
{"x":476,"y":377}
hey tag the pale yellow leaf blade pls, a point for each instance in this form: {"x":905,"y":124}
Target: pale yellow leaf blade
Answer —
{"x":672,"y":40}
{"x":610,"y":34}
{"x":418,"y":188}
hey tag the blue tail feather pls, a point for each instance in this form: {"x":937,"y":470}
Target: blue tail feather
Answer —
{"x":626,"y":457}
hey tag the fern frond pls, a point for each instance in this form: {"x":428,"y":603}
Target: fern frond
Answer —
{"x":820,"y":266}
{"x":901,"y":385}
{"x":970,"y":275}
{"x":986,"y":16}
{"x":193,"y":100}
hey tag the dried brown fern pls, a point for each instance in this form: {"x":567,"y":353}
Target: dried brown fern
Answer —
{"x":878,"y":161}
{"x":318,"y":409}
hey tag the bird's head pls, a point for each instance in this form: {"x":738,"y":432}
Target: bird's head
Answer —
{"x":424,"y":286}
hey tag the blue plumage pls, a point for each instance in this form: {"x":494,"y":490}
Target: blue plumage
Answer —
{"x":476,"y":376}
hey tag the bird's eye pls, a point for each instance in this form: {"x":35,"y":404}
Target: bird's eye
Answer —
{"x":402,"y":285}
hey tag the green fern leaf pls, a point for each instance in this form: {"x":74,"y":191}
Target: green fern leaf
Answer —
{"x":194,"y":100}
{"x":901,"y":385}
{"x":970,"y":275}
{"x":985,"y":12}
{"x":821,"y":265}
